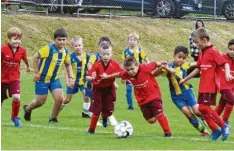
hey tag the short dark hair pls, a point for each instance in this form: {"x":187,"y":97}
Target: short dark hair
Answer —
{"x":181,"y":49}
{"x":105,"y":45}
{"x":129,"y":61}
{"x":202,"y":33}
{"x":231,"y":42}
{"x":60,"y":33}
{"x":199,"y":20}
{"x":104,"y":38}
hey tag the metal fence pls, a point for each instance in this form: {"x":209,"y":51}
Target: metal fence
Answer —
{"x":154,"y":8}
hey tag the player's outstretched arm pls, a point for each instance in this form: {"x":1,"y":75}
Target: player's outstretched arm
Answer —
{"x":192,"y":74}
{"x":36,"y":76}
{"x":113,"y":75}
{"x":147,"y":60}
{"x":228,"y":75}
{"x":192,"y":64}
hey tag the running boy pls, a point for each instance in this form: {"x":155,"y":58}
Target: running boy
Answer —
{"x":208,"y":61}
{"x":79,"y":61}
{"x":146,"y":90}
{"x":182,"y":95}
{"x":47,"y":63}
{"x":134,"y":50}
{"x":103,"y":91}
{"x":12,"y":54}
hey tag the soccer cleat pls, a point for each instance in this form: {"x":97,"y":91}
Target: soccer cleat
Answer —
{"x":27,"y":115}
{"x":53,"y":120}
{"x":225,"y":132}
{"x":168,"y":135}
{"x":104,"y":122}
{"x":205,"y":134}
{"x":215,"y":135}
{"x":130,"y":108}
{"x":90,"y":131}
{"x":16,"y":121}
{"x":85,"y":115}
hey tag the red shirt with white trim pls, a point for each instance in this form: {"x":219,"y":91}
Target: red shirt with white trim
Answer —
{"x":99,"y":68}
{"x":10,"y":63}
{"x":146,"y":88}
{"x":208,"y":61}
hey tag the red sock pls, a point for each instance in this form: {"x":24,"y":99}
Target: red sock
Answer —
{"x":219,"y":109}
{"x":15,"y":108}
{"x":227,"y":111}
{"x":93,"y":122}
{"x":162,"y":119}
{"x":212,"y":125}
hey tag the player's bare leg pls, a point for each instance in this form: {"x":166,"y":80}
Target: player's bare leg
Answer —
{"x":67,"y":100}
{"x":58,"y":100}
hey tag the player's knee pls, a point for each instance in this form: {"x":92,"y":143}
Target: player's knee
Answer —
{"x":151,"y":120}
{"x":16,"y":97}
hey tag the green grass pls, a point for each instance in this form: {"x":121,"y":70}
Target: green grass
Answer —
{"x":70,"y":132}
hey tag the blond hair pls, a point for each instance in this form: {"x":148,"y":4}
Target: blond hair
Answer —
{"x":202,"y":33}
{"x":76,"y":39}
{"x":134,"y":35}
{"x":14,"y":32}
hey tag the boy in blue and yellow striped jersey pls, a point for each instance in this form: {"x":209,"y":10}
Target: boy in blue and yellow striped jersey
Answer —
{"x":47,"y":64}
{"x":182,"y":95}
{"x":133,"y":50}
{"x":79,"y":61}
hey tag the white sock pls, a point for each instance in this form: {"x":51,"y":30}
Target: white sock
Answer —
{"x":86,"y":107}
{"x":112,"y":120}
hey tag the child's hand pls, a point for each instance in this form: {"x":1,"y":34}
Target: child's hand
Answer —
{"x":28,"y":69}
{"x":104,"y":76}
{"x":70,"y":83}
{"x":36,"y":77}
{"x":116,"y":86}
{"x":93,"y":75}
{"x":229,"y":77}
{"x":182,"y":81}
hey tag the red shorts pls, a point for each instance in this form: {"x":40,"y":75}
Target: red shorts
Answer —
{"x":207,"y":98}
{"x":152,"y":109}
{"x":12,"y":87}
{"x":103,"y":100}
{"x":226,"y":96}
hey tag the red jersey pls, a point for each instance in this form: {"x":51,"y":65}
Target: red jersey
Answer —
{"x":224,"y":84}
{"x":99,"y":68}
{"x":208,"y":61}
{"x":146,"y":88}
{"x":10,"y":63}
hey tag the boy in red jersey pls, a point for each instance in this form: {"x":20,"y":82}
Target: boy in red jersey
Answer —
{"x":146,"y":90}
{"x":227,"y":98}
{"x":103,"y":92}
{"x":208,"y":61}
{"x":12,"y":53}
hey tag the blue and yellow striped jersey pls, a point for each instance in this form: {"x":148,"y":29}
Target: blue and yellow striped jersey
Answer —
{"x":79,"y":67}
{"x":51,"y":60}
{"x":138,"y":53}
{"x":180,"y":73}
{"x":94,"y":58}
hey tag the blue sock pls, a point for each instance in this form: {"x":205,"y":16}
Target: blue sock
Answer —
{"x":129,"y":95}
{"x":197,"y":125}
{"x":194,"y":122}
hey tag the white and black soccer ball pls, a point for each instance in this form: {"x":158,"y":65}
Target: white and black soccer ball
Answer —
{"x":123,"y":129}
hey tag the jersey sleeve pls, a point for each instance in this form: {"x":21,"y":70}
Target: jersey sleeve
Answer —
{"x":218,"y":58}
{"x":143,"y":54}
{"x":124,"y":75}
{"x":186,"y":65}
{"x":123,"y":56}
{"x":24,"y":57}
{"x":199,"y":60}
{"x":164,"y":72}
{"x":150,"y":66}
{"x":44,"y":52}
{"x":92,"y":59}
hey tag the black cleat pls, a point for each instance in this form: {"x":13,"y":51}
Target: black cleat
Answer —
{"x":27,"y":115}
{"x":85,"y":115}
{"x":53,"y":120}
{"x":90,"y":131}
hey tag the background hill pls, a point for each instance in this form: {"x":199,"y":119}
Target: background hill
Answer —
{"x":158,"y":36}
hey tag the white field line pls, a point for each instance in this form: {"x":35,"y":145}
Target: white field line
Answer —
{"x":84,"y":130}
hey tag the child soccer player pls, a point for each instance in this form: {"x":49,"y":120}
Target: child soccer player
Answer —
{"x":227,"y":98}
{"x":103,"y":91}
{"x":136,"y":51}
{"x":182,"y":95}
{"x":146,"y":90}
{"x":79,"y":61}
{"x":47,"y":63}
{"x":208,"y":61}
{"x":12,"y":54}
{"x":94,"y":58}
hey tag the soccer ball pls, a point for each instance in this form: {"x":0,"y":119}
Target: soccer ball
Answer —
{"x":123,"y":129}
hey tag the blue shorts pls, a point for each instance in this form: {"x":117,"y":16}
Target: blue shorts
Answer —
{"x":75,"y":89}
{"x":41,"y":88}
{"x":88,"y":92}
{"x":187,"y":98}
